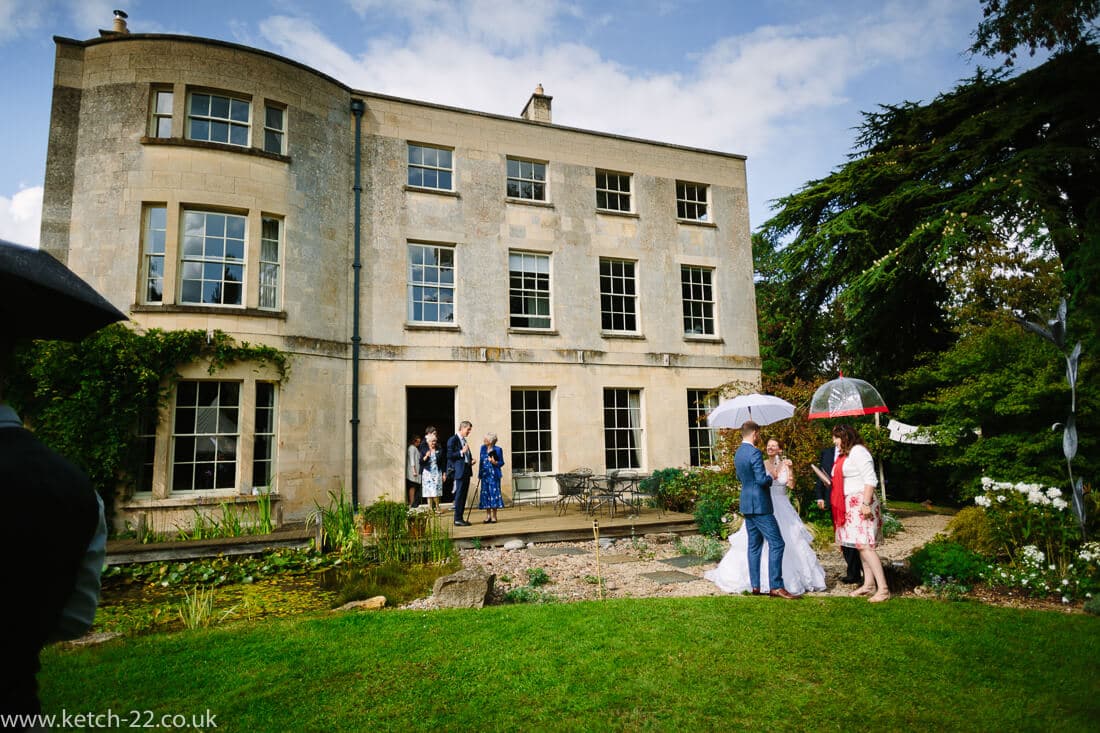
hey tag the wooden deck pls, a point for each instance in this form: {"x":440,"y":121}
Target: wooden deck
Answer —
{"x":544,"y":524}
{"x":525,"y":522}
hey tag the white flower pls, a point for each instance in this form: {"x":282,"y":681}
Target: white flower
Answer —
{"x":1059,"y":504}
{"x":1037,"y":497}
{"x":982,"y":500}
{"x":1032,"y":555}
{"x":1065,"y":600}
{"x":1001,"y":498}
{"x":1053,"y":493}
{"x":1065,"y":581}
{"x":986,"y":482}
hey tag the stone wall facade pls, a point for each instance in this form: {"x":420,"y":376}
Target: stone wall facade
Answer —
{"x":110,"y":174}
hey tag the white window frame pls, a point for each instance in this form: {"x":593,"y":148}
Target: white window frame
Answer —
{"x":154,"y":245}
{"x":623,"y":425}
{"x":161,"y":116}
{"x":427,"y":162}
{"x":427,"y":284}
{"x":700,"y":435}
{"x":521,"y":173}
{"x":615,"y":197}
{"x":619,"y":295}
{"x":258,"y":436}
{"x":209,"y":428}
{"x":210,"y":121}
{"x":270,"y":270}
{"x":692,"y":201}
{"x":271,"y":132}
{"x":207,"y":258}
{"x":528,"y":290}
{"x":536,"y":405}
{"x":697,"y":297}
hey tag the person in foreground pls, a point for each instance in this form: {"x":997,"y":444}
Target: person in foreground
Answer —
{"x":757,"y":508}
{"x":856,"y":511}
{"x":489,"y":473}
{"x":460,"y":464}
{"x":54,"y":596}
{"x":801,"y":570}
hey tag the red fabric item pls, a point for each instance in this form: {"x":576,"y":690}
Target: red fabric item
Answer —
{"x":836,"y":497}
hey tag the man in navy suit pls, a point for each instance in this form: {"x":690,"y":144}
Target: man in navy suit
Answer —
{"x":756,"y":507}
{"x":821,"y":491}
{"x":460,"y":465}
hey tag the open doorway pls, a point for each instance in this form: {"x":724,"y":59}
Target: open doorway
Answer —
{"x":431,"y":406}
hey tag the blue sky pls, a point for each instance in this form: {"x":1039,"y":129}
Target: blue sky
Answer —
{"x":780,"y":81}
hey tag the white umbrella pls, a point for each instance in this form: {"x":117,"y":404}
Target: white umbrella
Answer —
{"x":763,"y":409}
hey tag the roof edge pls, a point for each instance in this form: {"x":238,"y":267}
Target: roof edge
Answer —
{"x":123,"y":38}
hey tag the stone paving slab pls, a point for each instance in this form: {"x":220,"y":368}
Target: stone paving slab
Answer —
{"x":551,"y":551}
{"x":665,"y":577}
{"x":684,"y":561}
{"x":617,"y":559}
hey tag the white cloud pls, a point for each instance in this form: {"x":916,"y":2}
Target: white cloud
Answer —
{"x":21,"y":216}
{"x":18,"y":17}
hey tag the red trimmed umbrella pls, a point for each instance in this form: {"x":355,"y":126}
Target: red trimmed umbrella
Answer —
{"x":845,"y":397}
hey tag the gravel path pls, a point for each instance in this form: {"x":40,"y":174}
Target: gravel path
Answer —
{"x":625,"y":564}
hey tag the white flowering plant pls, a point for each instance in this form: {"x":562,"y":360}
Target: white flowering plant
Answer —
{"x":1036,"y":576}
{"x":1025,"y":515}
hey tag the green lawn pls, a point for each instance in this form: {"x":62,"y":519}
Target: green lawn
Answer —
{"x":653,"y":664}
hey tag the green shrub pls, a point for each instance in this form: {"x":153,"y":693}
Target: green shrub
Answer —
{"x":537,"y":577}
{"x":941,"y":558}
{"x":1092,"y":606}
{"x":717,"y":498}
{"x":891,"y":525}
{"x":970,"y":528}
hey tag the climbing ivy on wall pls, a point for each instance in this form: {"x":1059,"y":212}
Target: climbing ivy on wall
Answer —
{"x":86,"y":399}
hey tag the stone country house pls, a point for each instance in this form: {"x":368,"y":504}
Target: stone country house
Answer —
{"x":576,"y":292}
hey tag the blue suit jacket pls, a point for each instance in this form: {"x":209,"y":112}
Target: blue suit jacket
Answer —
{"x":756,"y":484}
{"x":456,"y":464}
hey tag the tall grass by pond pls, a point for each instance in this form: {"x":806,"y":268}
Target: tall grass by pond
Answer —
{"x":651,"y":664}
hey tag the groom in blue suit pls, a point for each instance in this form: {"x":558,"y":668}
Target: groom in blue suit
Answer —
{"x":756,"y":507}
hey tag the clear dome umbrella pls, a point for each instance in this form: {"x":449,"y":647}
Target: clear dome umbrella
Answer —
{"x":845,"y":397}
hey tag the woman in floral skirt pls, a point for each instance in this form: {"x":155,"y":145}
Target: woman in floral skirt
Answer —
{"x":489,"y":472}
{"x":857,"y":513}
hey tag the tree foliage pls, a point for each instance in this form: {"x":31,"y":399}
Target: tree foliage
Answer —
{"x":857,"y":258}
{"x":86,"y":400}
{"x":1049,"y":24}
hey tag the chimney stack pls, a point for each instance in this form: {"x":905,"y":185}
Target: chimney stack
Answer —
{"x":538,"y":107}
{"x":118,"y":27}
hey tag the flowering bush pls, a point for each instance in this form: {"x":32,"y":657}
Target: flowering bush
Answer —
{"x":1033,"y":574}
{"x":1025,"y":515}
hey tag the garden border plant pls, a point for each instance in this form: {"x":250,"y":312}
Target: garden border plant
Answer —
{"x":87,"y":399}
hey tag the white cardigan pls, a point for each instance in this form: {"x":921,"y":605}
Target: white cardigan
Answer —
{"x":859,"y":470}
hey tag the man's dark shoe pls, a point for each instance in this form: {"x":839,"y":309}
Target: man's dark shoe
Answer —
{"x":756,"y":591}
{"x":460,"y":523}
{"x":782,"y":593}
{"x":850,"y":580}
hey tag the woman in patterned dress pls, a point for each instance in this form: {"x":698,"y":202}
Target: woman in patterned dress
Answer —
{"x":492,"y":458}
{"x":433,"y":466}
{"x":856,"y":510}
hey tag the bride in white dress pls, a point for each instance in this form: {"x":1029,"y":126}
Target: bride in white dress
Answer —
{"x":801,"y":570}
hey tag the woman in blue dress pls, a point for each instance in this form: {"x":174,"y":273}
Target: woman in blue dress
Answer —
{"x":492,"y":458}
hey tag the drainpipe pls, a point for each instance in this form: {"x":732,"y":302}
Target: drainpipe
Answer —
{"x":357,"y":108}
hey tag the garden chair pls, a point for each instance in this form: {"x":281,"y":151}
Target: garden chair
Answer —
{"x":572,"y":487}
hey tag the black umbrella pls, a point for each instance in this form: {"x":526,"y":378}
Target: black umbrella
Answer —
{"x":41,"y":298}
